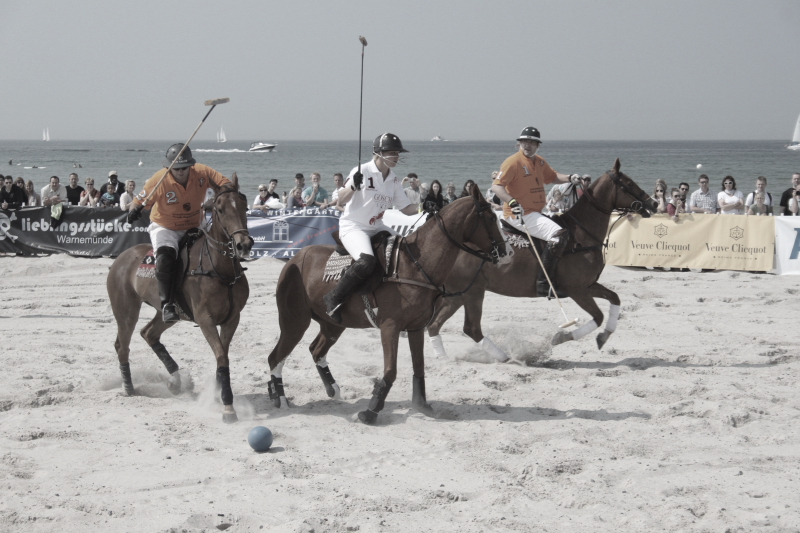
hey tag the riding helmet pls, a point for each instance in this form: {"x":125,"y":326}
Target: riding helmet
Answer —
{"x":186,"y":159}
{"x":530,"y":134}
{"x":388,"y":142}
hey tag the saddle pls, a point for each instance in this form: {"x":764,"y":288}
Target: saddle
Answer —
{"x":147,"y":269}
{"x":382,"y":244}
{"x":519,"y":239}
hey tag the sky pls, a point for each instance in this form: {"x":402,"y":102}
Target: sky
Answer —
{"x":465,"y":70}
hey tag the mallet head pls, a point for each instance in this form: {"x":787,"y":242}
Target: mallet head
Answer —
{"x":363,"y":40}
{"x":217,"y":101}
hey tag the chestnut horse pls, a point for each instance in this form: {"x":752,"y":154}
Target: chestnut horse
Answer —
{"x":405,"y":303}
{"x":215,"y":290}
{"x":577,"y":273}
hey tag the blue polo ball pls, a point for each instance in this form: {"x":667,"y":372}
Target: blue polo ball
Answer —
{"x":259,"y":438}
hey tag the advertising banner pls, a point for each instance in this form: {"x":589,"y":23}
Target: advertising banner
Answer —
{"x":729,"y":242}
{"x":787,"y":245}
{"x":281,"y":233}
{"x":80,"y":231}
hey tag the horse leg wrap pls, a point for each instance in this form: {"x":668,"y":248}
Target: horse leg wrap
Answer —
{"x":276,"y":393}
{"x":127,"y":382}
{"x":584,"y":330}
{"x":492,"y":349}
{"x":379,"y":394}
{"x":327,"y":379}
{"x":162,"y":353}
{"x":613,"y":315}
{"x":438,"y":346}
{"x":224,"y":382}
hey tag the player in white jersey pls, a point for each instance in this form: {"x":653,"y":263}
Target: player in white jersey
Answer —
{"x":369,"y":191}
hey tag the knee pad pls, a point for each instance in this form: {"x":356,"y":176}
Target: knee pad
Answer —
{"x":166,"y":258}
{"x":364,"y":266}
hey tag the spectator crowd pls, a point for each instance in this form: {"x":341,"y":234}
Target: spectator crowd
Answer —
{"x":17,"y":193}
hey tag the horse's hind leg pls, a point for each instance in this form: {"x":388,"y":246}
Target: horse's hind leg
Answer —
{"x":151,"y":334}
{"x":599,"y":291}
{"x":327,"y":337}
{"x":294,"y":317}
{"x":416,"y":343}
{"x":125,"y":305}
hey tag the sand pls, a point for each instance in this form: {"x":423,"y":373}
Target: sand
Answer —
{"x":687,"y":420}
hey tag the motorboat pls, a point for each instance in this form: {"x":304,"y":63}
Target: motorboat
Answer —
{"x":438,"y":138}
{"x":795,"y":145}
{"x":261,"y":147}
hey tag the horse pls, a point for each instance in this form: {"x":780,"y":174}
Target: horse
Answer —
{"x":577,"y":272}
{"x":215,"y":290}
{"x":406,"y":299}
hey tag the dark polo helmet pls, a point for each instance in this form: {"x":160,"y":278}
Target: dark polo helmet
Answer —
{"x":388,"y":142}
{"x":530,"y":134}
{"x":186,"y":159}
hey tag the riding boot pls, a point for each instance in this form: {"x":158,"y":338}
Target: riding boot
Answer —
{"x":351,"y":280}
{"x":166,"y":258}
{"x":552,"y":253}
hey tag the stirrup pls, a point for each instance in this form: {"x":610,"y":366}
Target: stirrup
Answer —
{"x":543,"y":289}
{"x":169,"y":314}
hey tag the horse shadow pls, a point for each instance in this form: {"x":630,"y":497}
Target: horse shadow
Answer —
{"x":637,"y":363}
{"x":400,"y":412}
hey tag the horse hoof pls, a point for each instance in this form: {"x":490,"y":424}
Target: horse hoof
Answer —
{"x":174,"y":383}
{"x":229,"y":418}
{"x":424,"y":408}
{"x":368,"y":417}
{"x":129,"y":391}
{"x":602,"y":337}
{"x":561,"y":337}
{"x":280,"y":402}
{"x":337,"y":393}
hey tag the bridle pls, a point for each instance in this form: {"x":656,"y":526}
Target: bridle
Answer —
{"x":226,"y":248}
{"x":639,"y":198}
{"x":494,"y":255}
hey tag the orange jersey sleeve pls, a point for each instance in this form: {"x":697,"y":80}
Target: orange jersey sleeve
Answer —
{"x":175,"y":206}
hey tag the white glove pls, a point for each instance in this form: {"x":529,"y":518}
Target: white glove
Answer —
{"x":575,"y":178}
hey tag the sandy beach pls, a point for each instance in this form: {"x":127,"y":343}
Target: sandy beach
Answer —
{"x":687,"y":420}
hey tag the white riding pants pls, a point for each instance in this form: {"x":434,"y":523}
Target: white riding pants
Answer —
{"x":356,"y":239}
{"x":538,"y":225}
{"x":161,"y":236}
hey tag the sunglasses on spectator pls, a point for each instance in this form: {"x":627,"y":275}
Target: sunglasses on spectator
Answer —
{"x":728,"y":183}
{"x":262,"y":189}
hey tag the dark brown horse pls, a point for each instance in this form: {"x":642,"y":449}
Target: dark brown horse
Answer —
{"x":215,"y":290}
{"x":425,"y":260}
{"x":577,"y":274}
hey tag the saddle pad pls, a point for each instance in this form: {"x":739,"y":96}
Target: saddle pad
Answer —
{"x":517,"y":241}
{"x":338,"y":263}
{"x":147,"y":268}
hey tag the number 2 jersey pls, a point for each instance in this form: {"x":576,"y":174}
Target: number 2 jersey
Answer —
{"x":365,"y":209}
{"x":174,"y":206}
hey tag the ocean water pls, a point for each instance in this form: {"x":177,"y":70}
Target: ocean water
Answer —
{"x":644,"y":161}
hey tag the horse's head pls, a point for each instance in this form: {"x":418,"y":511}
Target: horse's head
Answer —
{"x":229,"y":215}
{"x":483,"y":232}
{"x":615,"y":190}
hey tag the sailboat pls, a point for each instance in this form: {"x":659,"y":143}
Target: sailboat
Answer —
{"x":796,"y":137}
{"x":46,"y":134}
{"x":221,"y":136}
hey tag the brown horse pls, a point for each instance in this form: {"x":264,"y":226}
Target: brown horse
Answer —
{"x":577,"y":274}
{"x":215,"y":290}
{"x":406,"y":303}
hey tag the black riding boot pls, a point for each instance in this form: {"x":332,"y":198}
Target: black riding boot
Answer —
{"x":166,"y":258}
{"x":552,"y":253}
{"x":351,"y":279}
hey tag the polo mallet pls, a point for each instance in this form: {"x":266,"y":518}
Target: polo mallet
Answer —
{"x":361,"y":100}
{"x":213,"y":103}
{"x":568,"y":322}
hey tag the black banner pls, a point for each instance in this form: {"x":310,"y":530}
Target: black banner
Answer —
{"x":81,"y":231}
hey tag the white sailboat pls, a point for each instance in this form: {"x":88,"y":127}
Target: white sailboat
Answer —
{"x":46,"y":134}
{"x":221,"y":136}
{"x":795,"y":145}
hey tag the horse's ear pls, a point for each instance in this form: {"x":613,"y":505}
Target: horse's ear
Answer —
{"x":235,"y":180}
{"x":476,"y":193}
{"x":616,"y":166}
